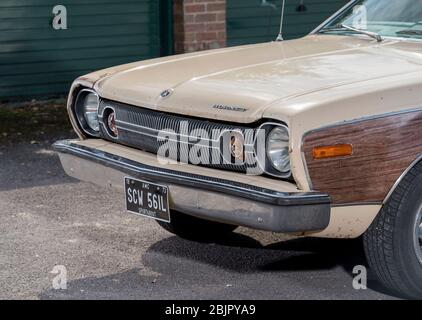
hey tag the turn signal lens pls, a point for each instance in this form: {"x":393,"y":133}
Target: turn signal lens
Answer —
{"x":325,"y":152}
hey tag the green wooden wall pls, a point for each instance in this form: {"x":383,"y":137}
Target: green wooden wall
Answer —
{"x":248,"y":21}
{"x":36,"y":59}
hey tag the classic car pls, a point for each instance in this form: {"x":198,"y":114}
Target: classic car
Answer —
{"x":319,"y":136}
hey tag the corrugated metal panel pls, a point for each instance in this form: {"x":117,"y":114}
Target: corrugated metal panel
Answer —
{"x":36,"y":59}
{"x":251,"y":21}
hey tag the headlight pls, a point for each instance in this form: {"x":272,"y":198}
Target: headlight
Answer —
{"x":90,"y":109}
{"x":278,"y":149}
{"x":87,"y":104}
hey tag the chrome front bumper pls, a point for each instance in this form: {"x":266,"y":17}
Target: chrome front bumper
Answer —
{"x":204,"y":197}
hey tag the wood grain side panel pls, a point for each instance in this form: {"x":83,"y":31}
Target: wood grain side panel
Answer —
{"x":383,"y":148}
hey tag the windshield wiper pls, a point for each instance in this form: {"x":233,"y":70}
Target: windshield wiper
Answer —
{"x":410,"y":32}
{"x":343,"y":27}
{"x":374,"y":35}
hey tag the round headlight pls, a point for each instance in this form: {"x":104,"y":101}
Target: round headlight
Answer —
{"x":278,"y":149}
{"x":90,"y":111}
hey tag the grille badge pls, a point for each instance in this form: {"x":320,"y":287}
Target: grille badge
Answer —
{"x":237,"y":146}
{"x":111,"y":122}
{"x":233,"y":151}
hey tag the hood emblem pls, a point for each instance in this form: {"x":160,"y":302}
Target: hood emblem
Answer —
{"x":166,"y":93}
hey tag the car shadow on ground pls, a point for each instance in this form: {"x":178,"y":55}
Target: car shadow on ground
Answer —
{"x":243,"y":254}
{"x":177,"y":260}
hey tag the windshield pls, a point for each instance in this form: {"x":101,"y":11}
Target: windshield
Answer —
{"x":388,"y":18}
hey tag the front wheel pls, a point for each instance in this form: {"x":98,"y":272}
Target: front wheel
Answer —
{"x":191,"y":228}
{"x":393,"y":243}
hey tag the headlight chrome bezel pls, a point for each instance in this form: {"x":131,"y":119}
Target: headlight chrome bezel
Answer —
{"x":80,"y":112}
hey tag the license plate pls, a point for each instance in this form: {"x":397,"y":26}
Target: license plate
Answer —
{"x":147,"y":199}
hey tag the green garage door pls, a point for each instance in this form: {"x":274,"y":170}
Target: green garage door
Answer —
{"x":37,"y":59}
{"x":253,"y":21}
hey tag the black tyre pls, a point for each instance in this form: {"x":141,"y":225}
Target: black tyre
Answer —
{"x":393,"y":243}
{"x":191,"y":228}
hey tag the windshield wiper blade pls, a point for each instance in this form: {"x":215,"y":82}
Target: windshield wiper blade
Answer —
{"x":371,"y":34}
{"x":343,"y":27}
{"x":410,"y":32}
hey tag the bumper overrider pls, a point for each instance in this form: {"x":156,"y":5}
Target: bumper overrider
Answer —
{"x":208,"y":198}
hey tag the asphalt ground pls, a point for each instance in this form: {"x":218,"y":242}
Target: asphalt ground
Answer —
{"x":49,"y":219}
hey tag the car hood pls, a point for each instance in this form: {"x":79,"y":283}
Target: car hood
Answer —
{"x":239,"y":84}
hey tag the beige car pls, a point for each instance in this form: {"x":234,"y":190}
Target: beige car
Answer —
{"x":319,"y":137}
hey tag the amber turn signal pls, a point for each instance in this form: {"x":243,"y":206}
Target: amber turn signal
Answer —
{"x":340,"y":150}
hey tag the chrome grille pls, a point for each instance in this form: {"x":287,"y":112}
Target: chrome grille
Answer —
{"x":139,"y":128}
